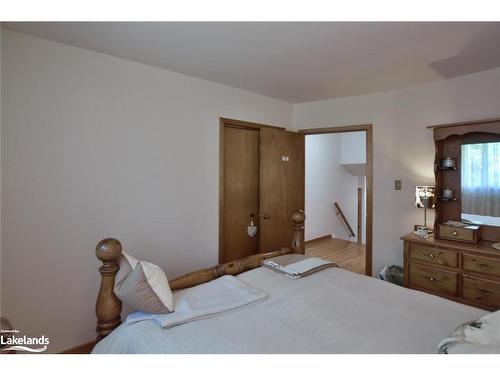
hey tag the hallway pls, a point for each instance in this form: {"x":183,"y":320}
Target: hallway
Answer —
{"x":347,"y":254}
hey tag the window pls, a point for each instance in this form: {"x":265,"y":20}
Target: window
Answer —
{"x":480,"y":171}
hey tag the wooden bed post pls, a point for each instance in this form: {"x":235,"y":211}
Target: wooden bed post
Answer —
{"x":108,"y":306}
{"x":298,"y":245}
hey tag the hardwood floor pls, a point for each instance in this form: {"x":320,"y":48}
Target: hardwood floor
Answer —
{"x":347,"y":254}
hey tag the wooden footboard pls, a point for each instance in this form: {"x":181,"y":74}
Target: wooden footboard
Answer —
{"x":109,"y":307}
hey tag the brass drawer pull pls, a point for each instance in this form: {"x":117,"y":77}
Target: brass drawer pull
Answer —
{"x":431,"y":279}
{"x":484,"y":292}
{"x":485,"y":267}
{"x":455,"y":233}
{"x":432,"y":256}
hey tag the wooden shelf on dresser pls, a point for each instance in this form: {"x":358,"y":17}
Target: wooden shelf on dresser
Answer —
{"x":466,"y":273}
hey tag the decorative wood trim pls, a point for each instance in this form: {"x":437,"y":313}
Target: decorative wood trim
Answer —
{"x":406,"y":264}
{"x":221,"y":189}
{"x":80,"y":349}
{"x":360,"y":213}
{"x":231,"y":268}
{"x":368,"y":128}
{"x":247,"y":124}
{"x":483,"y":121}
{"x":369,"y":199}
{"x":480,"y":126}
{"x":336,"y":129}
{"x":108,"y":306}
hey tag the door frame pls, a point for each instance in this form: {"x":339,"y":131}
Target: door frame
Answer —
{"x":368,"y":128}
{"x":223,"y":123}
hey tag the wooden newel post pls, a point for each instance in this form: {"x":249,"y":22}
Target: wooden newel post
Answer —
{"x":298,"y":219}
{"x":108,"y":307}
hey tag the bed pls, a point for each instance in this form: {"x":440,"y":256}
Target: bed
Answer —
{"x":330,"y":311}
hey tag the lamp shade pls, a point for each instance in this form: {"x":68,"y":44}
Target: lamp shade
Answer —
{"x":424,"y":197}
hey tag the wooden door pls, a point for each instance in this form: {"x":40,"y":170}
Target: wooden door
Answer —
{"x":241,"y":192}
{"x":281,"y":185}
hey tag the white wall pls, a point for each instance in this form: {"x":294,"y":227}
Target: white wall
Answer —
{"x":96,"y":146}
{"x":353,"y":148}
{"x":321,"y":160}
{"x":403,"y":147}
{"x":353,"y":151}
{"x":327,"y":181}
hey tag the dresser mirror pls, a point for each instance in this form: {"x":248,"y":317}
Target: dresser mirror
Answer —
{"x":480,"y":183}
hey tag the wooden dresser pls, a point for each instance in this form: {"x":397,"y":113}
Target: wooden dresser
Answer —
{"x":466,"y":273}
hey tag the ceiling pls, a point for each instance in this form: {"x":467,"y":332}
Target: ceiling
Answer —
{"x":292,"y":61}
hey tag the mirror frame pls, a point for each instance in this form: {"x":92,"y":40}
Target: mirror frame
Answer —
{"x":448,"y":140}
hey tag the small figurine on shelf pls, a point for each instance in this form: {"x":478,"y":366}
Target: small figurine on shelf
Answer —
{"x":447,"y":194}
{"x":448,"y":163}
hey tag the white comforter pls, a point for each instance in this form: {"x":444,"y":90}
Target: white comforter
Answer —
{"x":331,"y":311}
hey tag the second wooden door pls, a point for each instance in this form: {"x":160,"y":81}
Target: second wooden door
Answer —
{"x":281,"y":186}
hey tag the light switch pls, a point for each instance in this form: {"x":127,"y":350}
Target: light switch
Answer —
{"x":397,"y":184}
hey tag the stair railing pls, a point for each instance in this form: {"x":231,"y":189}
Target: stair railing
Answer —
{"x":344,"y":220}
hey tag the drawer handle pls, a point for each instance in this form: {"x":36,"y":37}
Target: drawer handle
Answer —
{"x":431,"y":279}
{"x":485,"y":267}
{"x":432,"y":256}
{"x":455,"y":233}
{"x":484,"y":292}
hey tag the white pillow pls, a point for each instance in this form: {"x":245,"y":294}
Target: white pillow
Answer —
{"x":127,"y":265}
{"x":143,"y":286}
{"x":479,"y":336}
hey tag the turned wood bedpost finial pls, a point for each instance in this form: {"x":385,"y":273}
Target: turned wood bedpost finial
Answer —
{"x":108,"y":307}
{"x":298,"y":218}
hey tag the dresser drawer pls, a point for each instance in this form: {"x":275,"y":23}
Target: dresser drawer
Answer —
{"x":489,"y":266}
{"x":482,"y":291}
{"x":433,"y":255}
{"x":456,"y":233}
{"x":432,"y":279}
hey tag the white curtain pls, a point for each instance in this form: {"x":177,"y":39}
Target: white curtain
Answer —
{"x":481,"y":179}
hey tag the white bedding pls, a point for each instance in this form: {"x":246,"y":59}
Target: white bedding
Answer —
{"x":219,"y":296}
{"x":331,"y":311}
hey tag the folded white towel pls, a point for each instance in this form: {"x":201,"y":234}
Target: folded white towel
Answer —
{"x":299,"y":269}
{"x":223,"y":294}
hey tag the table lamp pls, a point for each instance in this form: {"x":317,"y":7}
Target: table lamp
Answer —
{"x":424,"y":198}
